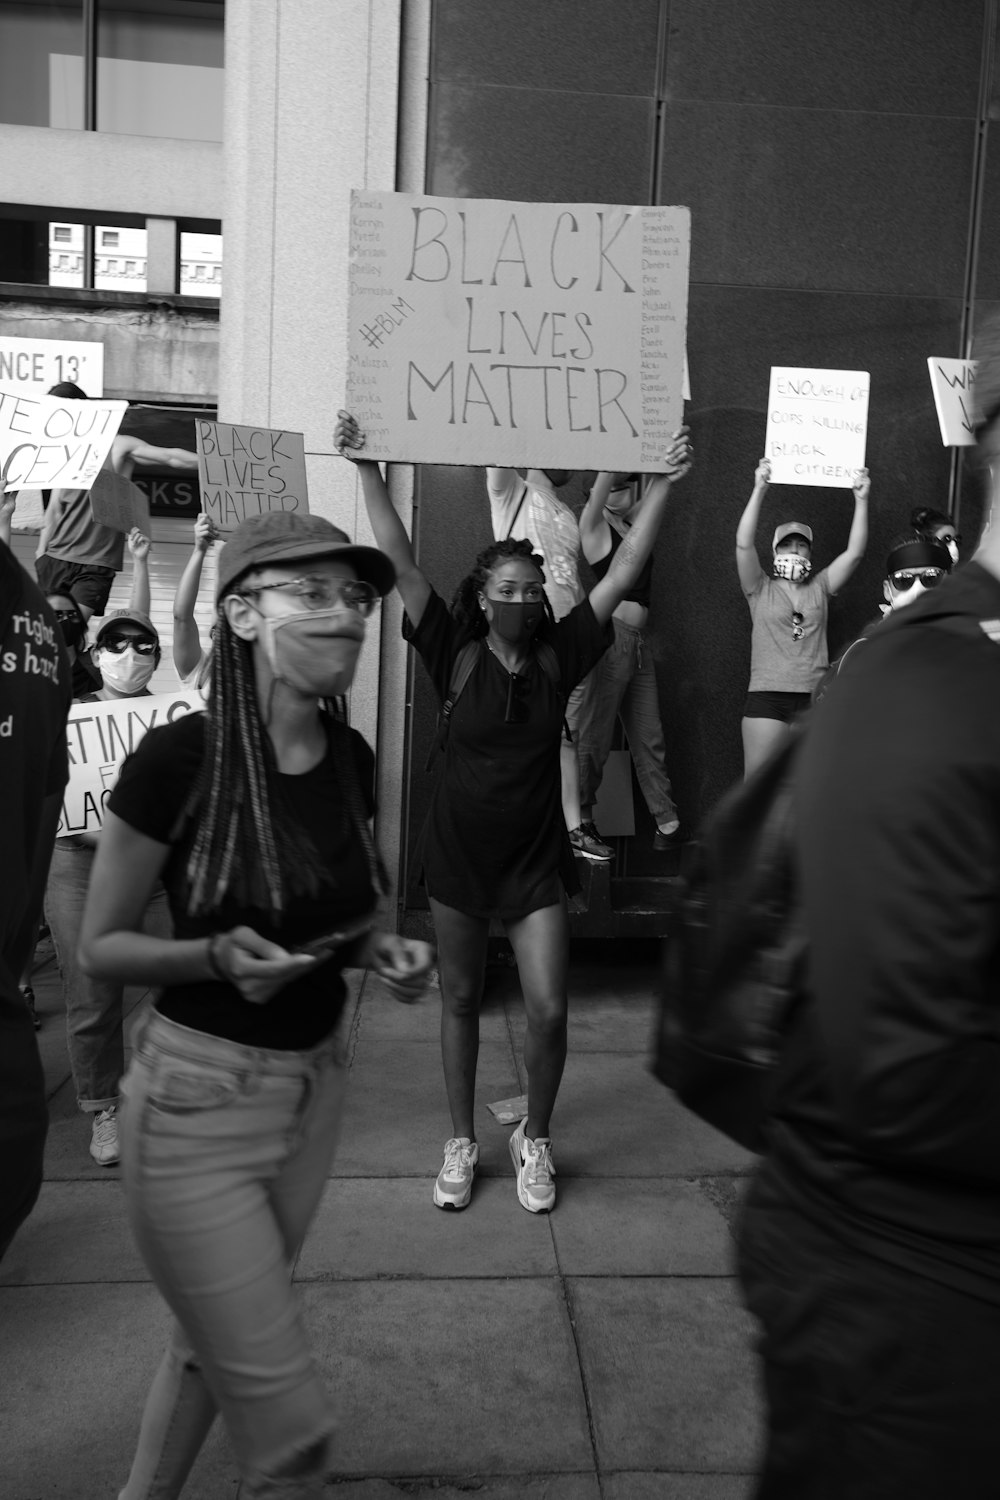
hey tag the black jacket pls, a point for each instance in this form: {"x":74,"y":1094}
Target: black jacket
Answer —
{"x":888,"y":1118}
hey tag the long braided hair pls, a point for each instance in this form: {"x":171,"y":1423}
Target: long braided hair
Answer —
{"x":465,"y":601}
{"x":248,"y":846}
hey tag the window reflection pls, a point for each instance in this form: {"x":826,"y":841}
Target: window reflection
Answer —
{"x":159,"y":66}
{"x":41,"y":64}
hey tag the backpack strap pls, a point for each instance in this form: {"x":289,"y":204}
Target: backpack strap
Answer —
{"x":461,"y":670}
{"x":520,"y":507}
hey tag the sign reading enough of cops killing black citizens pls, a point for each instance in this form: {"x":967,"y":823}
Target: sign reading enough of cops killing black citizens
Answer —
{"x":817,"y":425}
{"x":98,"y":737}
{"x":248,"y":471}
{"x":47,"y":442}
{"x":516,"y":334}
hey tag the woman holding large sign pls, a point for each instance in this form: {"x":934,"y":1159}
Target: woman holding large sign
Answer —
{"x":495,"y":841}
{"x":255,"y":816}
{"x":789,"y":608}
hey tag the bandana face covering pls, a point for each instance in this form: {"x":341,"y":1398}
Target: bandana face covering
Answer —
{"x":127,"y":672}
{"x":790,"y":566}
{"x":316,"y":667}
{"x":515,"y":623}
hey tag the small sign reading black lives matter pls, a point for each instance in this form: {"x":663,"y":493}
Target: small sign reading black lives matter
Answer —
{"x":248,"y":471}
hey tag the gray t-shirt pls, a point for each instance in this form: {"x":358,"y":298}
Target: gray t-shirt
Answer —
{"x":778,"y":662}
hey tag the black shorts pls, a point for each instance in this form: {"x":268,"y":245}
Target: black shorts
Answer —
{"x":786,"y":707}
{"x":85,"y":582}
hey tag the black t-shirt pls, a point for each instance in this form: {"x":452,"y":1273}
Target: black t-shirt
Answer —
{"x":495,"y":839}
{"x":86,"y":678}
{"x":150,"y":795}
{"x":34,"y":702}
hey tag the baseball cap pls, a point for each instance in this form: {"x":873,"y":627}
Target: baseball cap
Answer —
{"x":119,"y":616}
{"x":284,"y":536}
{"x":792,"y":528}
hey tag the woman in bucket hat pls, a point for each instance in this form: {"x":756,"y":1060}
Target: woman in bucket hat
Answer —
{"x":789,"y":609}
{"x":255,"y":816}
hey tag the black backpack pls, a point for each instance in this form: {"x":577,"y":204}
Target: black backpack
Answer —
{"x":462,"y":669}
{"x":733,"y":970}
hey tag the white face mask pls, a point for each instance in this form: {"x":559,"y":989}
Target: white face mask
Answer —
{"x":126,"y":671}
{"x":900,"y":598}
{"x":789,"y":565}
{"x":319,"y":669}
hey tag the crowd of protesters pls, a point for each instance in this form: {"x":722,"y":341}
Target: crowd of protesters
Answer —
{"x":236,"y":876}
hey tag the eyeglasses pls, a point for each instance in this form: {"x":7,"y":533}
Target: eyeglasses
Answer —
{"x":318,"y":592}
{"x":116,"y":644}
{"x":930,"y":579}
{"x":798,"y":621}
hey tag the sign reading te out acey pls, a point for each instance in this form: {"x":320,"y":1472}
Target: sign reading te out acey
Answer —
{"x":248,"y":471}
{"x":50,"y":443}
{"x":516,"y":334}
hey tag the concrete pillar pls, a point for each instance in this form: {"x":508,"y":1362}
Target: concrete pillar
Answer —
{"x":311,"y":111}
{"x":162,"y":255}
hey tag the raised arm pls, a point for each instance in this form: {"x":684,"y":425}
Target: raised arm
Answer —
{"x":390,"y":533}
{"x":595,"y":533}
{"x":843,"y":566}
{"x":505,"y":489}
{"x":747,"y":562}
{"x":139,"y":546}
{"x":186,"y":640}
{"x":127,"y":450}
{"x":636,"y":547}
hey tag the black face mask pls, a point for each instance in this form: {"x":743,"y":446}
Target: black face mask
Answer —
{"x":514,"y":623}
{"x":73,"y":631}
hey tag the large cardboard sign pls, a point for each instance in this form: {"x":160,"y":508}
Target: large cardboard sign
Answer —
{"x":817,"y":425}
{"x":118,"y":503}
{"x":41,"y":363}
{"x":99,"y":736}
{"x":516,"y":334}
{"x":49,"y":443}
{"x":953,"y":382}
{"x":247,"y":471}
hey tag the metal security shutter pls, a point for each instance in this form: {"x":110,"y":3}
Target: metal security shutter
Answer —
{"x":172,"y":544}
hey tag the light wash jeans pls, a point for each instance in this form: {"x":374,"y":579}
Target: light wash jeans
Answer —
{"x":225,"y":1151}
{"x":624,"y":686}
{"x":94,"y":1007}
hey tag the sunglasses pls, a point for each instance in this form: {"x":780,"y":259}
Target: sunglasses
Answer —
{"x":116,"y":644}
{"x":324,"y":593}
{"x":798,"y":621}
{"x":930,"y":579}
{"x":67,"y":614}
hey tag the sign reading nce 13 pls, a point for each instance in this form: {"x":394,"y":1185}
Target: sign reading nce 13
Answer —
{"x":516,"y":333}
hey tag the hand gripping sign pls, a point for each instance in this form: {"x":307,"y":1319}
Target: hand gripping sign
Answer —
{"x":516,"y":334}
{"x":47,"y":442}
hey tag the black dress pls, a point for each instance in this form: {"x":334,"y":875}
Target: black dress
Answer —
{"x":495,"y":841}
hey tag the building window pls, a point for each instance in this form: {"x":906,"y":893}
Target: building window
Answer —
{"x":62,"y":234}
{"x":109,"y":239}
{"x":158,"y":66}
{"x":201,"y":264}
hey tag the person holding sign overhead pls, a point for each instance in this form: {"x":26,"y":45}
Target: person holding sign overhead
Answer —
{"x":789,"y":607}
{"x":76,"y":554}
{"x":255,"y":816}
{"x":495,"y":841}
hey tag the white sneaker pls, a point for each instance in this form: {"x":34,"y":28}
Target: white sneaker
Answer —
{"x":535,"y":1170}
{"x":453,"y":1187}
{"x":104,"y":1146}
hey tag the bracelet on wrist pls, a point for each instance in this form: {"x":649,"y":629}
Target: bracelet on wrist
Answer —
{"x":214,"y":962}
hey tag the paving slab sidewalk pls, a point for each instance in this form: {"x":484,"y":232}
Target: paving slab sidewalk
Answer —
{"x":599,"y":1353}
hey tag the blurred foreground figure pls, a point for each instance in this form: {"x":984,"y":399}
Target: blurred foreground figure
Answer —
{"x":870,"y":1241}
{"x":34,"y":701}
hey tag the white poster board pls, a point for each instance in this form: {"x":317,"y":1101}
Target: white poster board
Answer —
{"x":817,"y":425}
{"x":516,"y":334}
{"x":99,"y":736}
{"x":37,"y":364}
{"x":248,"y":471}
{"x":953,"y":381}
{"x":49,"y":443}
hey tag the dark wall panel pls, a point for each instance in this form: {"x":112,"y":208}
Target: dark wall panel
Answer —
{"x":820,"y":198}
